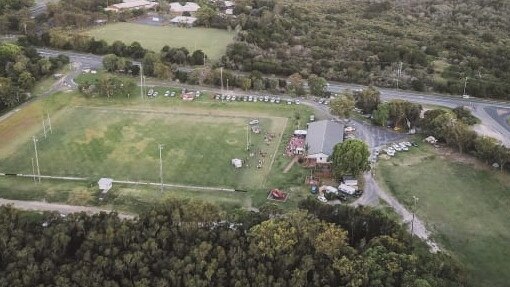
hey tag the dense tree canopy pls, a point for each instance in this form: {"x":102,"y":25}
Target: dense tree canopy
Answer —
{"x":20,"y":68}
{"x":198,"y":244}
{"x":350,"y":158}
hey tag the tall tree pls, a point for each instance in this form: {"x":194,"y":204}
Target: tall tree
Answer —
{"x":350,"y":157}
{"x":368,"y":99}
{"x":342,"y":105}
{"x":317,"y":85}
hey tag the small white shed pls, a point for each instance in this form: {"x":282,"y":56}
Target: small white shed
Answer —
{"x":105,"y":184}
{"x":237,"y":163}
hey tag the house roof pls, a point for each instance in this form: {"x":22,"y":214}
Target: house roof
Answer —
{"x":323,"y":136}
{"x":183,"y":20}
{"x":134,"y":4}
{"x":188,"y":7}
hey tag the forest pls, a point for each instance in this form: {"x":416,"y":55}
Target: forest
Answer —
{"x":192,"y":243}
{"x":426,"y":44}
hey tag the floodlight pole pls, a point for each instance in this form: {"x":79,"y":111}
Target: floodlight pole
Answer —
{"x":37,"y":159}
{"x":141,"y":81}
{"x":221,"y":77}
{"x":161,"y":165}
{"x":49,"y":123}
{"x":33,"y":170}
{"x":44,"y":127}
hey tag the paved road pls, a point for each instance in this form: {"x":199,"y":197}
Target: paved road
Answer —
{"x":62,"y":208}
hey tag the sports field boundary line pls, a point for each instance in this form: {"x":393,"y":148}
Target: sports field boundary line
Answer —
{"x":276,"y":151}
{"x":70,"y":178}
{"x":175,"y":112}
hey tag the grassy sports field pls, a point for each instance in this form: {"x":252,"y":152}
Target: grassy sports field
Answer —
{"x":463,"y":202}
{"x":93,"y":137}
{"x":212,"y":41}
{"x":123,"y":144}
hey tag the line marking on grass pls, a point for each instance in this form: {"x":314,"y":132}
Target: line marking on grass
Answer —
{"x":275,"y":151}
{"x":71,"y":178}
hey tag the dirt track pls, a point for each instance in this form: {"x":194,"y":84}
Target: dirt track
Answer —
{"x":61,"y":208}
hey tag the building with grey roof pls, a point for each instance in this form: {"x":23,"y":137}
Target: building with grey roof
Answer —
{"x":321,"y":138}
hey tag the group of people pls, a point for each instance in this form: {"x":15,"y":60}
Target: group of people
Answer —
{"x":296,"y":143}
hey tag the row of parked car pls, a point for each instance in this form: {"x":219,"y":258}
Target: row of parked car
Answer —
{"x":152,"y":94}
{"x":266,"y":99}
{"x":397,"y":147}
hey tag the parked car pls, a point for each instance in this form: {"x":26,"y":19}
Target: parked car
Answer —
{"x":167,"y":93}
{"x":289,"y":102}
{"x":172,"y":94}
{"x":245,"y":98}
{"x":266,"y":99}
{"x":250,"y":99}
{"x":349,"y":129}
{"x":155,"y":94}
{"x":298,"y":102}
{"x":151,"y":91}
{"x":277,"y":100}
{"x":321,"y":198}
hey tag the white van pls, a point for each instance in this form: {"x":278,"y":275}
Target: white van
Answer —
{"x":347,"y":189}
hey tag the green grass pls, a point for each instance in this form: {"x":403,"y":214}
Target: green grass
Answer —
{"x":212,"y":41}
{"x":465,"y":204}
{"x":120,"y":197}
{"x":124,"y":145}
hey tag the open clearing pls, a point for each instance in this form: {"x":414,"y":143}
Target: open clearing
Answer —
{"x":212,"y":41}
{"x":123,"y":144}
{"x":465,"y":204}
{"x":119,"y":138}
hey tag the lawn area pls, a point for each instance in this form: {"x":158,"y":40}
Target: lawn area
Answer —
{"x":118,"y":138}
{"x":123,"y":144}
{"x":212,"y":41}
{"x":121,"y":197}
{"x":464,"y":203}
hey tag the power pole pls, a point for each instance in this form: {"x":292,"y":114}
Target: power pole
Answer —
{"x":161,"y":165}
{"x":221,"y":77}
{"x":33,"y":170}
{"x":141,"y":81}
{"x":44,"y":127}
{"x":49,"y":123}
{"x":37,"y":159}
{"x":465,"y":85}
{"x":247,"y":137}
{"x":412,"y":222}
{"x":399,"y":72}
{"x":227,"y":85}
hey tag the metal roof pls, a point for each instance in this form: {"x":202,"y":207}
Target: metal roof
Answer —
{"x":323,"y":136}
